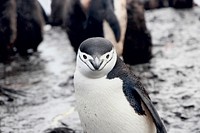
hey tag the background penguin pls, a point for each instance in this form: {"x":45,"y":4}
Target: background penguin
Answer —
{"x":58,"y":12}
{"x":29,"y":26}
{"x":7,"y":27}
{"x":44,"y":14}
{"x":178,"y":4}
{"x":121,"y":14}
{"x":75,"y":18}
{"x":85,"y":21}
{"x":137,"y":43}
{"x":181,"y":4}
{"x":153,"y":4}
{"x":110,"y":99}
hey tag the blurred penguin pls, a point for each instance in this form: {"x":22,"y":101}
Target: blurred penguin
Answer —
{"x":7,"y":28}
{"x":137,"y":44}
{"x":181,"y":4}
{"x":58,"y":12}
{"x":85,"y":19}
{"x":30,"y":24}
{"x":153,"y":4}
{"x":121,"y":14}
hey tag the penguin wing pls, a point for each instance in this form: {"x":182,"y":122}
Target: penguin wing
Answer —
{"x":111,"y":18}
{"x":136,"y":94}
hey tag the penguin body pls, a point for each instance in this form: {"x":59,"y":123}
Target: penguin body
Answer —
{"x":109,"y":97}
{"x":30,"y":24}
{"x":58,"y":12}
{"x":8,"y":28}
{"x":137,"y":43}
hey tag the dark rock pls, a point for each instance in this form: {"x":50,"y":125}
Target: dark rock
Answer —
{"x":181,"y":116}
{"x":2,"y":103}
{"x":61,"y":130}
{"x":189,"y":107}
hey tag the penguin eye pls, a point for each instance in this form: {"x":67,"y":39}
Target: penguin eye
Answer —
{"x":107,"y":56}
{"x":84,"y":56}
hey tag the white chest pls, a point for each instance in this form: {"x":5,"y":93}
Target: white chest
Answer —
{"x":103,"y":107}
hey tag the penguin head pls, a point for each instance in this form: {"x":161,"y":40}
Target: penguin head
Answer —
{"x":96,"y":57}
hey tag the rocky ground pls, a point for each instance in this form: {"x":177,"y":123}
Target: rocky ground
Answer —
{"x":171,"y":78}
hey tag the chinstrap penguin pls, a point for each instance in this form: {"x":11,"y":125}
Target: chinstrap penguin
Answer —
{"x":109,"y":97}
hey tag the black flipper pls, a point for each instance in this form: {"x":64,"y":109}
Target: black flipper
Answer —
{"x":138,"y":88}
{"x":135,"y":93}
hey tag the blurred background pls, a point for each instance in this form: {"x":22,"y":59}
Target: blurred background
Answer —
{"x":158,"y":39}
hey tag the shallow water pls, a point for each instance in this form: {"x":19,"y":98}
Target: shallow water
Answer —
{"x":172,"y":78}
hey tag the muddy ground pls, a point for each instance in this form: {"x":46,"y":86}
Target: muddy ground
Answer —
{"x":171,"y":78}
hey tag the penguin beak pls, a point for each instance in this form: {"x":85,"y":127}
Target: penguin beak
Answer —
{"x":96,"y":63}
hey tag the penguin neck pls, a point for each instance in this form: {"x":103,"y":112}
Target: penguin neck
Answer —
{"x":115,"y":73}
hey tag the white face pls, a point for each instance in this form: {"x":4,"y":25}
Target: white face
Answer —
{"x":96,"y":67}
